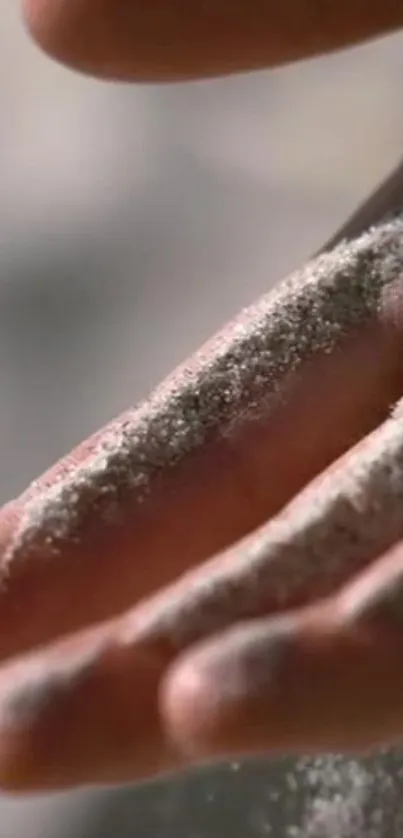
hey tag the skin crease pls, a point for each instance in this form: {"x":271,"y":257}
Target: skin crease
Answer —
{"x":100,"y":692}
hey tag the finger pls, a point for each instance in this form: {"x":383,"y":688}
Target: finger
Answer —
{"x":334,"y":529}
{"x":107,"y":707}
{"x":84,"y":712}
{"x":328,"y":677}
{"x":170,"y":40}
{"x":98,"y":709}
{"x":301,"y":683}
{"x":219,"y":448}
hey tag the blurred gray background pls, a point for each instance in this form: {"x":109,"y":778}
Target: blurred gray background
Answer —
{"x":134,"y":222}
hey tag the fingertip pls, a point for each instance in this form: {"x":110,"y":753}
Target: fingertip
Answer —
{"x":271,"y":687}
{"x":85,"y":713}
{"x":211,"y":696}
{"x":69,"y":31}
{"x":39,"y":24}
{"x":109,"y":39}
{"x":174,"y":40}
{"x":189,"y":709}
{"x":27,"y":611}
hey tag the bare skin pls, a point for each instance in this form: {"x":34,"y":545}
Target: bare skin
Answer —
{"x":108,"y":673}
{"x":178,"y":40}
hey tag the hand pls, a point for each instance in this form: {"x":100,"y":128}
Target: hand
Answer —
{"x":219,"y":571}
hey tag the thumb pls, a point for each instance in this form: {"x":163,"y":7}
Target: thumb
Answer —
{"x":172,"y":39}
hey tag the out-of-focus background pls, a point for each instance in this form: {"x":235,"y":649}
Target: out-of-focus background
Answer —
{"x":133,"y":222}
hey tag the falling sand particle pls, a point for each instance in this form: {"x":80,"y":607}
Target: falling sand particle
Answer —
{"x":327,"y":796}
{"x":348,"y":798}
{"x":235,"y":376}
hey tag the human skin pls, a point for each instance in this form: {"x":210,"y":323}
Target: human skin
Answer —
{"x":95,"y":684}
{"x":178,"y":40}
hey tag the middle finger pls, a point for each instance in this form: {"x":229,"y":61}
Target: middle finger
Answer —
{"x":88,"y":709}
{"x":218,"y":449}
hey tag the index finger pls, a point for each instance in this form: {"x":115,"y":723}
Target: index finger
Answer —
{"x":173,"y":39}
{"x":218,"y":449}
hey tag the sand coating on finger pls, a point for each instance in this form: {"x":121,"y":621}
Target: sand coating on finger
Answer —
{"x":335,"y":527}
{"x":237,"y":378}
